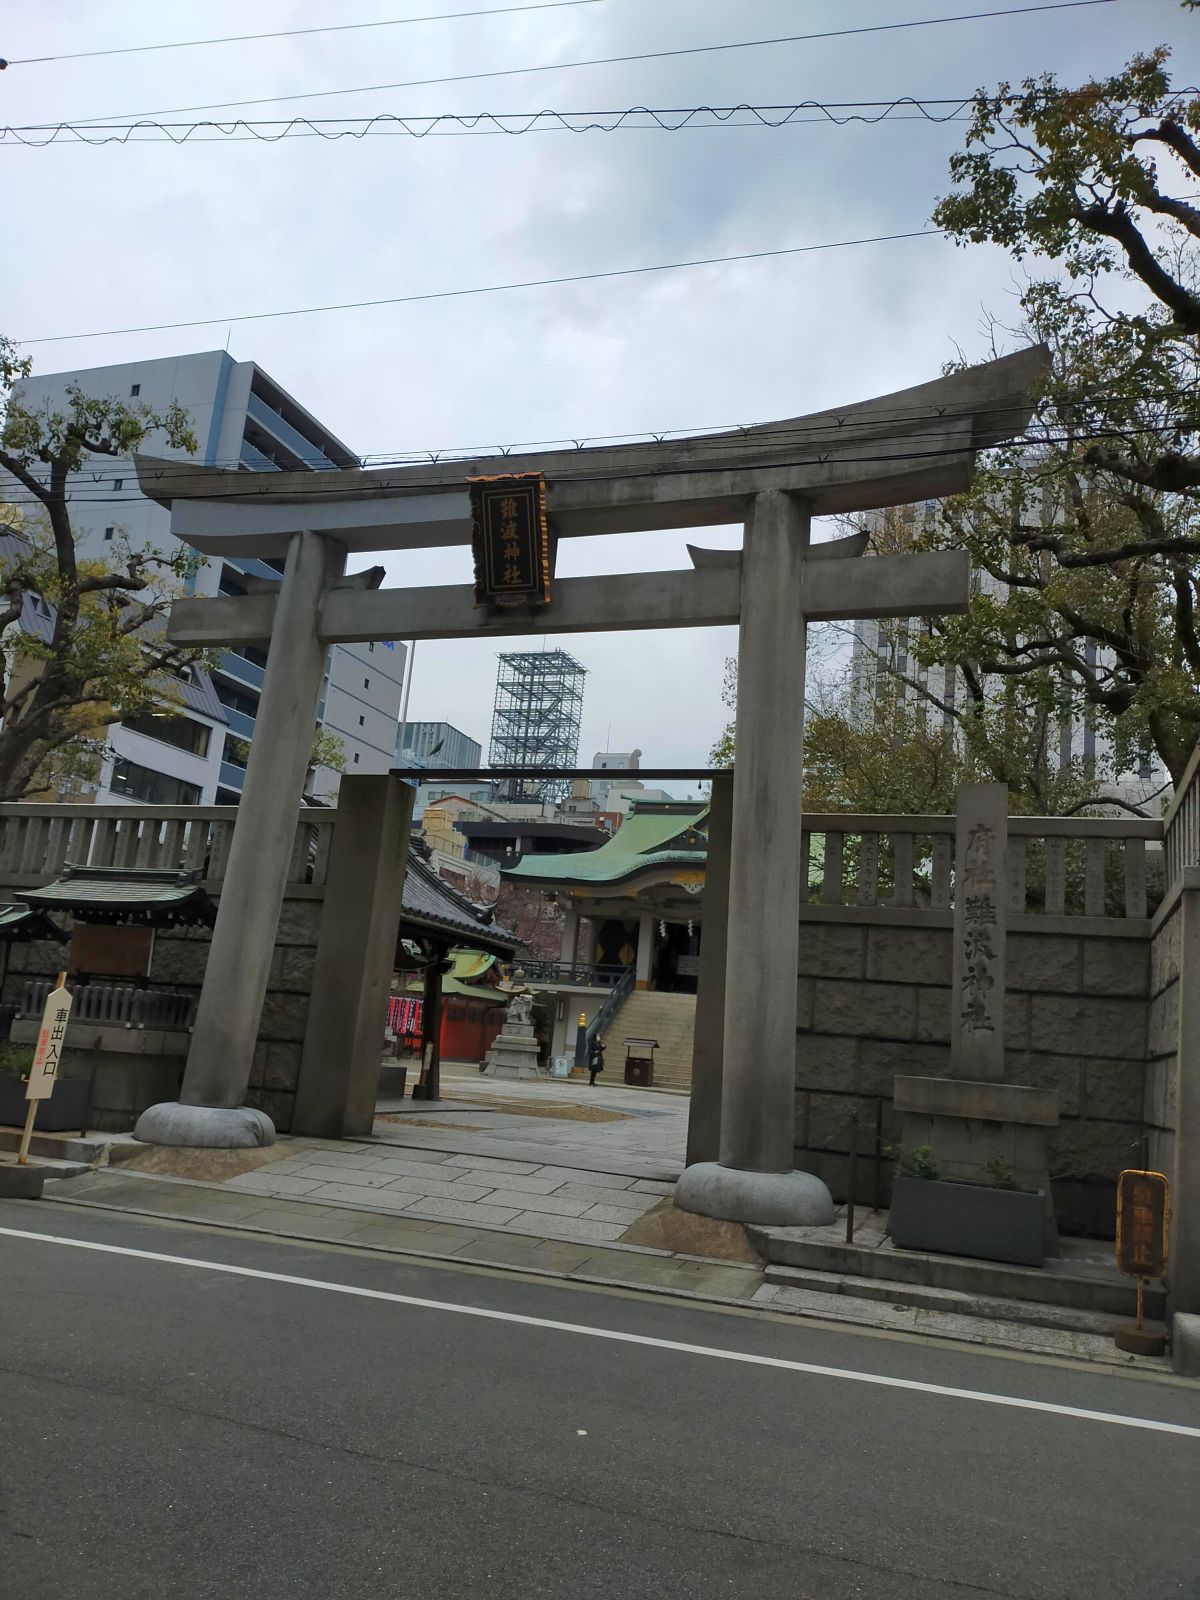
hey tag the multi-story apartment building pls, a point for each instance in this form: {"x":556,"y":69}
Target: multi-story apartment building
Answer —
{"x":438,"y":744}
{"x":242,"y":419}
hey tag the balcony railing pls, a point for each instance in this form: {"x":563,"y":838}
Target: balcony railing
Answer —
{"x":36,"y":841}
{"x":572,"y":974}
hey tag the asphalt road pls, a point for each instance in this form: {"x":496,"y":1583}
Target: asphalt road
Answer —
{"x":171,"y":1430}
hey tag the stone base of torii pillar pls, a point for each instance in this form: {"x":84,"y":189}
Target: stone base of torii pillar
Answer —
{"x":775,"y":1199}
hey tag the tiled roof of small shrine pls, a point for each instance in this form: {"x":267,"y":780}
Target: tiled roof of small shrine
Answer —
{"x":432,"y":906}
{"x":152,"y":897}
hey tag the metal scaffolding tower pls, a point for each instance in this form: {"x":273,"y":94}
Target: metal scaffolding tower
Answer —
{"x":536,"y":718}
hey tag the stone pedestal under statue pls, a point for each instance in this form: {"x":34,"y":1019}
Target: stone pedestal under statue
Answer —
{"x":514,"y":1050}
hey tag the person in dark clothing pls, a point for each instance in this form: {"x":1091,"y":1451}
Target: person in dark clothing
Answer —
{"x":595,"y":1060}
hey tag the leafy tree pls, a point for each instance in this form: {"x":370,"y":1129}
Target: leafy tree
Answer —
{"x":721,"y":754}
{"x":102,"y":655}
{"x":1091,"y":529}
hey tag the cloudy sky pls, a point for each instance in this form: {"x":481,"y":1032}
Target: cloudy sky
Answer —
{"x":119,"y":236}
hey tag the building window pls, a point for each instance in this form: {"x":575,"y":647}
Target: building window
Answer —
{"x":356,"y":758}
{"x":252,"y":654}
{"x":108,"y":532}
{"x":118,"y":484}
{"x":231,"y":697}
{"x":154,"y":788}
{"x":371,"y":649}
{"x":366,"y":683}
{"x":181,"y":732}
{"x":134,"y":390}
{"x":362,"y":722}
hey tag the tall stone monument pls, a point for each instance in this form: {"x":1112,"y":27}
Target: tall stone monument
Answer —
{"x":979,"y":1126}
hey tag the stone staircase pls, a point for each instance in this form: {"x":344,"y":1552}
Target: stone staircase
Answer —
{"x":648,"y":1014}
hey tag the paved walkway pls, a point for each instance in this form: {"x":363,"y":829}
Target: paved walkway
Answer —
{"x":508,"y":1175}
{"x":639,"y":1128}
{"x":486,"y":1156}
{"x":411,"y":1232}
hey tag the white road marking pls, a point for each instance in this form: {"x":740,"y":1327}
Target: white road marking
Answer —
{"x":741,"y":1356}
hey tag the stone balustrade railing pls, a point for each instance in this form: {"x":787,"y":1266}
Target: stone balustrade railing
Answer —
{"x":1182,"y":823}
{"x":36,"y":841}
{"x":115,"y":1005}
{"x":1108,"y":867}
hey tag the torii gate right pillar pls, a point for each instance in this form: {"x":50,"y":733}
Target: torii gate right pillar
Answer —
{"x":754,"y":1180}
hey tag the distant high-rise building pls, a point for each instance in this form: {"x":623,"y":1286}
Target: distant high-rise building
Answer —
{"x":437,"y":744}
{"x":612,"y":761}
{"x":536,"y":720}
{"x":242,"y":420}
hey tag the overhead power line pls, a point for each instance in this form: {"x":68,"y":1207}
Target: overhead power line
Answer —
{"x":606,"y":61}
{"x":669,"y":119}
{"x":479,"y":124}
{"x":490,"y":288}
{"x":292,"y":33}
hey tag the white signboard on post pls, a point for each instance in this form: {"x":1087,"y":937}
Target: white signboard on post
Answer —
{"x":51,"y":1036}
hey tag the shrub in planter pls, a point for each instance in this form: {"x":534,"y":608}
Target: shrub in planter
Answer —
{"x":65,"y":1111}
{"x":948,"y":1217}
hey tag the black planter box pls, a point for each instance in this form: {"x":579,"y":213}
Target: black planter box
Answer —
{"x":968,"y":1219}
{"x":66,"y":1111}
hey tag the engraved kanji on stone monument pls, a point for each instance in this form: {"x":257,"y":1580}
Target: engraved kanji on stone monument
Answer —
{"x":977,"y":1010}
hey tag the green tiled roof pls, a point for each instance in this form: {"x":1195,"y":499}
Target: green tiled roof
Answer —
{"x":26,"y":922}
{"x":656,"y":833}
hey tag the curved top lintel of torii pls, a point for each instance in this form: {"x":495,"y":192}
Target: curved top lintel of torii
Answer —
{"x":913,"y":444}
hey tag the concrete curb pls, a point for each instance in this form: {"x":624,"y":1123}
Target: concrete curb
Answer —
{"x":1156,"y":1371}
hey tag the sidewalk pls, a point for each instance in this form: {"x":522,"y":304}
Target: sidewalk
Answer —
{"x":549,"y":1178}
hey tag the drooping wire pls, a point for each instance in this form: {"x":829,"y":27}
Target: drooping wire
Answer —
{"x":670,"y":119}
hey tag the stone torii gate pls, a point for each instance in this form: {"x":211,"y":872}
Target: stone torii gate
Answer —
{"x":774,"y":479}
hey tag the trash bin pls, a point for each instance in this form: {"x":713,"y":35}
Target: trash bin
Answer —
{"x":639,"y":1062}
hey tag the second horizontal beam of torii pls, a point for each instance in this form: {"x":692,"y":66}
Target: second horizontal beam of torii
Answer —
{"x":884,"y":586}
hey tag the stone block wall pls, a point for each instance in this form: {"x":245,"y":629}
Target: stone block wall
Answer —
{"x":178,"y":962}
{"x":874,"y":1002}
{"x":1162,"y":1040}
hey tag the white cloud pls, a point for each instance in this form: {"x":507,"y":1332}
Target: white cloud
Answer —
{"x":121,"y":236}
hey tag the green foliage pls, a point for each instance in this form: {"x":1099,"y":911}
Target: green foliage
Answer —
{"x":1000,"y":1174}
{"x":328,"y":750}
{"x":721,"y":754}
{"x":106,"y":656}
{"x":919,"y":1163}
{"x":1093,"y":525}
{"x":15,"y":1060}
